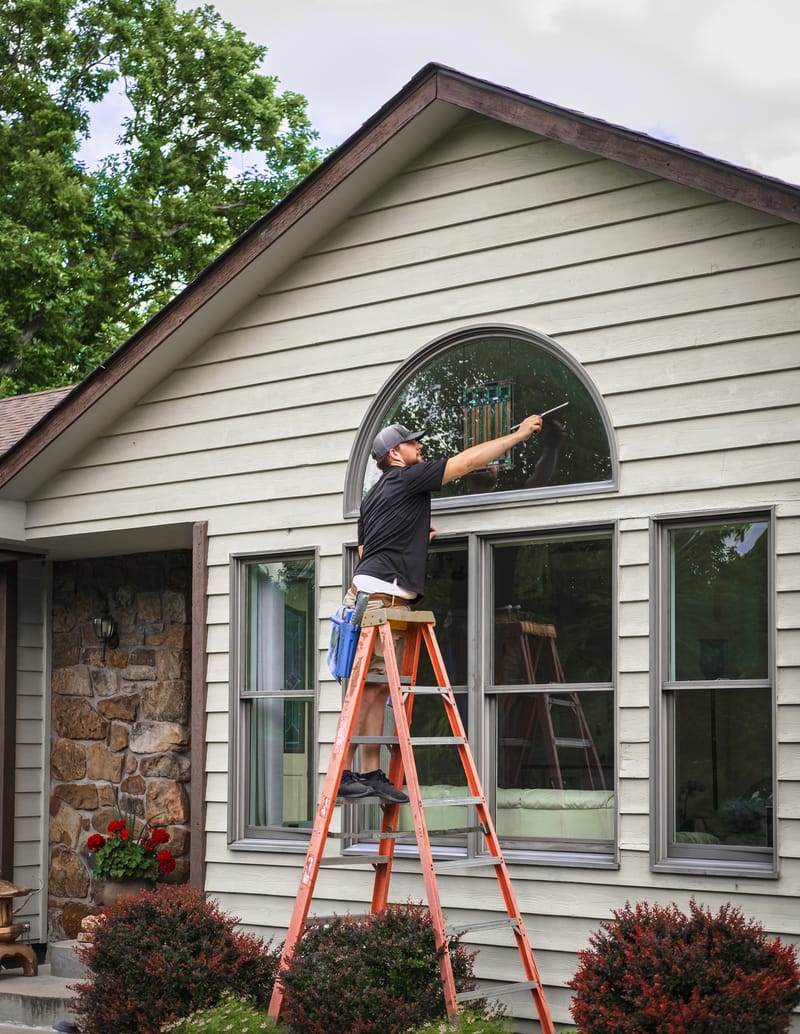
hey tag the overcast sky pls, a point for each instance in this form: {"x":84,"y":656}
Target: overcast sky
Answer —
{"x":718,"y":76}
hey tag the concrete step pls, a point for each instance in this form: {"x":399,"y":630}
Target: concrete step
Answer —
{"x":29,"y":1005}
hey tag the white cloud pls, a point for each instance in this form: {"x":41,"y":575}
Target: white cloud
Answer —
{"x":719,"y":76}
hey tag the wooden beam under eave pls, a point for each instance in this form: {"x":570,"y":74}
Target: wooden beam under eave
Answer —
{"x":8,"y":714}
{"x":197,"y":786}
{"x":691,"y":169}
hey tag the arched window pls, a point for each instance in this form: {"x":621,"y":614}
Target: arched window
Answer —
{"x":479,"y":384}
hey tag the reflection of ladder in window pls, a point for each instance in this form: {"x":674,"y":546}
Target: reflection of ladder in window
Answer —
{"x":418,"y":627}
{"x":538,"y":641}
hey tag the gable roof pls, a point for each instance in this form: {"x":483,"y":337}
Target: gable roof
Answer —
{"x":19,"y":413}
{"x":431,"y":103}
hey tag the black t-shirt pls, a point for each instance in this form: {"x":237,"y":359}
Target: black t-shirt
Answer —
{"x":394,"y":524}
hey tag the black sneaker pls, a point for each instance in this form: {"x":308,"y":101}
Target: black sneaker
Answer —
{"x":377,"y":783}
{"x":351,"y":786}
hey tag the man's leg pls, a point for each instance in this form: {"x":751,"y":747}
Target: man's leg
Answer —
{"x":369,"y":722}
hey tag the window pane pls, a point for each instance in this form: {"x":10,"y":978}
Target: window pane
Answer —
{"x":279,"y":617}
{"x":281,"y":753}
{"x":552,"y":611}
{"x":278,"y":730}
{"x":723,"y":772}
{"x":446,"y":595}
{"x":480,"y":388}
{"x":719,"y":626}
{"x":555,"y":775}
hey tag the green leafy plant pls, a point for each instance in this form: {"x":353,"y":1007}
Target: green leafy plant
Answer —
{"x":232,"y":1013}
{"x":128,"y":852}
{"x":654,"y":970}
{"x":373,"y":973}
{"x":162,"y":955}
{"x":468,"y":1022}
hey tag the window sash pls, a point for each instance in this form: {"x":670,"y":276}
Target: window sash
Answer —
{"x":273,"y":723}
{"x":705,"y":814}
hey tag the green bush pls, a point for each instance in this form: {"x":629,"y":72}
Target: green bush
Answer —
{"x":164,"y":954}
{"x":653,"y":970}
{"x":231,"y":1014}
{"x":375,"y":973}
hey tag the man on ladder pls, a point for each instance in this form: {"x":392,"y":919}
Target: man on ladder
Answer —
{"x":394,"y":529}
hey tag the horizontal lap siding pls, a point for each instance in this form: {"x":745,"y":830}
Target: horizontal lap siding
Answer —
{"x":684,"y":311}
{"x":30,"y":804}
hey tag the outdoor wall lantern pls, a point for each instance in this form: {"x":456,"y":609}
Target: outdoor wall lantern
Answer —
{"x":106,"y":630}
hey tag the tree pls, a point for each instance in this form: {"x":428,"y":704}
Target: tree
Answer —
{"x":88,"y":255}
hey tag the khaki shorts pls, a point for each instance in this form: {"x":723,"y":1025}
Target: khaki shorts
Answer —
{"x":376,"y":672}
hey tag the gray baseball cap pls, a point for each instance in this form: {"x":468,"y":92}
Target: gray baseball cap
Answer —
{"x":392,"y":436}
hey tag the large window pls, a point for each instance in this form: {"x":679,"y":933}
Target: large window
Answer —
{"x":274,"y":789}
{"x":478,"y":387}
{"x":718,"y":702}
{"x":525,"y":630}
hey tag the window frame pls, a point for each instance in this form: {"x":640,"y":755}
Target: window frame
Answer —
{"x":239,"y":835}
{"x":483,"y":698}
{"x":708,"y":859}
{"x":373,"y":421}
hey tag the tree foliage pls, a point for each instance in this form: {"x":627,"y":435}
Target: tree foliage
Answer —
{"x":89,"y":255}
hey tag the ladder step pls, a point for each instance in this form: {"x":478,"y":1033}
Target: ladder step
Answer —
{"x":437,"y":741}
{"x":419,"y":691}
{"x":469,"y":863}
{"x":450,"y":832}
{"x":356,"y":859}
{"x":442,"y":802}
{"x":417,"y":741}
{"x":493,"y":992}
{"x":567,"y":741}
{"x":489,"y":924}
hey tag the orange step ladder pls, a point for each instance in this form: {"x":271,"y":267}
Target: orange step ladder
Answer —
{"x":418,"y":628}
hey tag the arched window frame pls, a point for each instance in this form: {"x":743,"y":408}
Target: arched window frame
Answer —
{"x":375,"y":416}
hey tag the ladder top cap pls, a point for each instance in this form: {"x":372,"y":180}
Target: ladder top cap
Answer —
{"x":395,"y":615}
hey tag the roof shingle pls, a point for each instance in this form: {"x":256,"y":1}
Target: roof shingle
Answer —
{"x":19,"y":413}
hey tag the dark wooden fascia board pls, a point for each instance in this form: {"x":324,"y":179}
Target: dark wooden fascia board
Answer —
{"x":668,"y":161}
{"x":332,"y":172}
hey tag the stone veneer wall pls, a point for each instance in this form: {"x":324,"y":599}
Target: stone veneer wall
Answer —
{"x":120,"y":717}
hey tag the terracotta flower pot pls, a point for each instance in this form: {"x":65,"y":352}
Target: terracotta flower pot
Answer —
{"x":109,"y":891}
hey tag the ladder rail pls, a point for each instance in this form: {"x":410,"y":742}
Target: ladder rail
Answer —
{"x":403,"y":763}
{"x":492,"y":842}
{"x":322,"y":821}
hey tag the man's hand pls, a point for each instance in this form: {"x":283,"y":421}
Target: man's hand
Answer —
{"x":432,"y":534}
{"x":529,"y":426}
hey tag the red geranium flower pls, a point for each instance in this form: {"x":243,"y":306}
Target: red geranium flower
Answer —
{"x":166,"y":861}
{"x":95,"y":842}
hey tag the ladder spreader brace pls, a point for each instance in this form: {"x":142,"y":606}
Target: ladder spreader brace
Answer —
{"x":418,"y":628}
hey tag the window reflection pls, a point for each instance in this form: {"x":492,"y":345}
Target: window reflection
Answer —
{"x":720,"y":611}
{"x":554,"y":746}
{"x":723,"y":771}
{"x":564,"y":584}
{"x":478,"y":389}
